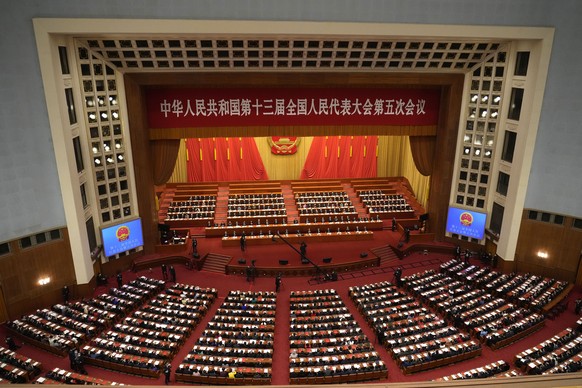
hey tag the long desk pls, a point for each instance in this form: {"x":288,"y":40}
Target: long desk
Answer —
{"x":183,"y":223}
{"x":218,"y":231}
{"x":518,"y":336}
{"x":294,"y":238}
{"x":304,"y":269}
{"x":393,"y":214}
{"x":339,"y":378}
{"x":215,"y":380}
{"x":442,"y":362}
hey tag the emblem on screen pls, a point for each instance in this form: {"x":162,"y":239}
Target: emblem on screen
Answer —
{"x":466,"y":218}
{"x":122,"y":233}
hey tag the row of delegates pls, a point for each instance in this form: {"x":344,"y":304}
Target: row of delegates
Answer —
{"x":62,"y":376}
{"x":326,"y":211}
{"x":17,"y":369}
{"x":209,"y":200}
{"x":389,"y":208}
{"x":83,"y":312}
{"x":10,"y":357}
{"x":201,"y":373}
{"x":144,"y":342}
{"x":558,"y":356}
{"x":255,"y":196}
{"x":492,"y":321}
{"x":315,"y":201}
{"x":201,"y":197}
{"x":266,"y":222}
{"x":450,"y":354}
{"x":386,"y":202}
{"x":457,"y":268}
{"x":482,"y":372}
{"x":386,"y":198}
{"x":526,"y":290}
{"x":340,"y":218}
{"x":378,"y":194}
{"x":571,"y":365}
{"x":329,"y":206}
{"x":62,"y":332}
{"x":239,"y":338}
{"x":343,"y":349}
{"x":127,"y":296}
{"x":192,"y":208}
{"x":321,"y":194}
{"x":256,"y":213}
{"x":238,"y":200}
{"x":189,"y":215}
{"x":546,"y":347}
{"x":406,"y":328}
{"x":256,"y":206}
{"x":500,"y":334}
{"x":82,"y":327}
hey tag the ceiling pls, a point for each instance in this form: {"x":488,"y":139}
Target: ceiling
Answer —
{"x":139,"y":53}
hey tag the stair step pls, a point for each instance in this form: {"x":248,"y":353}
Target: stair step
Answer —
{"x":216,"y":262}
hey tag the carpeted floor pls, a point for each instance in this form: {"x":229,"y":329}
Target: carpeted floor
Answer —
{"x":340,"y":251}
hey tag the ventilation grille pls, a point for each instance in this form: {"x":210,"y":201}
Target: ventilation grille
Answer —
{"x":325,"y":53}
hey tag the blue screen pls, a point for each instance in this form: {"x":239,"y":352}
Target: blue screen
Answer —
{"x":466,"y":223}
{"x":122,"y":237}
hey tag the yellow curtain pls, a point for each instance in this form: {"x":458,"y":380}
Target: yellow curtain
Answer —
{"x":180,"y":174}
{"x":395,"y":159}
{"x":283,"y":167}
{"x":419,"y":183}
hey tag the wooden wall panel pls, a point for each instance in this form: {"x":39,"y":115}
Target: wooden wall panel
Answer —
{"x":444,"y":158}
{"x":22,"y":268}
{"x":142,"y":166}
{"x":562,"y":243}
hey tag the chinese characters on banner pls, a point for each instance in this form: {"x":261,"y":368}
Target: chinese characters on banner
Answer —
{"x":180,"y":108}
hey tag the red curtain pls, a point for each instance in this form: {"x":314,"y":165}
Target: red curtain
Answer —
{"x":341,"y":157}
{"x":224,"y":159}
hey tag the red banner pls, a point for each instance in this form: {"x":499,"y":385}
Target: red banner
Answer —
{"x":187,"y":108}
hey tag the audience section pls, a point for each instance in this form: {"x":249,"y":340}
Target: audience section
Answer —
{"x":60,"y":376}
{"x":237,"y":343}
{"x":146,"y":341}
{"x":417,"y":338}
{"x":495,"y":369}
{"x":16,"y":368}
{"x":560,"y":354}
{"x":327,"y":345}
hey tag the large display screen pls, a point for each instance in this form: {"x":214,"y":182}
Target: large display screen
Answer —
{"x":467,"y":223}
{"x":122,"y":237}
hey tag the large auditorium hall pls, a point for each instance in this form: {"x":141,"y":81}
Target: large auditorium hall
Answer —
{"x":291,"y":193}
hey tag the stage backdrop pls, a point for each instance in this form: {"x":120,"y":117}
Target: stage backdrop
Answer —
{"x":394,"y":159}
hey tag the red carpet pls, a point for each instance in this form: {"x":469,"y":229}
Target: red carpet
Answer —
{"x":412,"y":264}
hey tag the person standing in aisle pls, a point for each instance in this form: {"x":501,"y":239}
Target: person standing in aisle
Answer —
{"x":243,"y":242}
{"x":278,"y":281}
{"x":164,"y":272}
{"x":168,"y":373}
